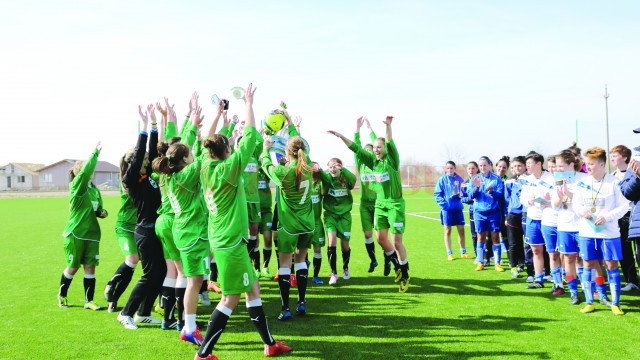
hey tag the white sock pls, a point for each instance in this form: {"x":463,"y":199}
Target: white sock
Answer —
{"x":190,"y":323}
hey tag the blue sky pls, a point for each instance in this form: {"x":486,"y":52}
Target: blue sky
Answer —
{"x":463,"y":78}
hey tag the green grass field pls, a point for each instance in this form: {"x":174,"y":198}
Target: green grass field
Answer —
{"x":450,"y":311}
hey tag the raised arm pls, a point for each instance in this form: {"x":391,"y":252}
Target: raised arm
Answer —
{"x":153,"y":137}
{"x":387,"y":123}
{"x":214,"y":125}
{"x":372,"y":134}
{"x":138,"y":156}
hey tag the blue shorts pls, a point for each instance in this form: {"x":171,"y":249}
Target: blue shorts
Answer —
{"x":568,"y":242}
{"x":488,"y":221}
{"x":533,"y":234}
{"x":550,"y":235}
{"x":600,"y":249}
{"x":451,"y":217}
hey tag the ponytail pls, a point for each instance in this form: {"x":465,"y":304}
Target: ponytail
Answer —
{"x":174,"y":160}
{"x":217,"y":146}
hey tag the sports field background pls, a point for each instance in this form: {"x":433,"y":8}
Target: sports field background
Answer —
{"x":449,"y":312}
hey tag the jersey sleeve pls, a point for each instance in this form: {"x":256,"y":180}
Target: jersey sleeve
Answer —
{"x":189,"y":135}
{"x":367,"y":158}
{"x":351,"y":178}
{"x":275,"y":173}
{"x":392,"y":154}
{"x":241,"y":156}
{"x":80,"y":183}
{"x":130,"y":176}
{"x":372,"y":136}
{"x":630,"y":186}
{"x":170,"y":131}
{"x":291,"y":129}
{"x":183,"y":128}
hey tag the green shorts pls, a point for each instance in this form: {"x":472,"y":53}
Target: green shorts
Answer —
{"x":390,"y":215}
{"x":266,"y":219}
{"x":367,"y":209}
{"x":287,"y":243}
{"x":195,"y":260}
{"x":81,"y":252}
{"x":126,"y":242}
{"x":235,"y":271}
{"x":164,"y":232}
{"x":253,"y":209}
{"x":318,"y":239}
{"x":340,"y":224}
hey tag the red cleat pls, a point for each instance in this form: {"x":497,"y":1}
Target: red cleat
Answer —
{"x":278,"y":348}
{"x":214,"y":287}
{"x":210,"y":357}
{"x":294,"y":281}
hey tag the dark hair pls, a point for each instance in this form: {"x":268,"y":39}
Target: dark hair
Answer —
{"x":575,"y":149}
{"x":368,"y":146}
{"x":474,"y":163}
{"x":519,"y":159}
{"x":164,"y":145}
{"x":623,"y":151}
{"x":506,"y":159}
{"x":551,"y":158}
{"x":486,"y":158}
{"x":173,"y":161}
{"x":569,"y":157}
{"x":335,"y":160}
{"x":452,"y":164}
{"x":535,"y":156}
{"x":217,"y":146}
{"x":296,"y":148}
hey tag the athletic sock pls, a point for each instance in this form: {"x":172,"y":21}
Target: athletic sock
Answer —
{"x":601,"y":286}
{"x":256,"y":258}
{"x":215,"y":327}
{"x":251,"y":244}
{"x":126,"y":273}
{"x":331,"y":254}
{"x":462,"y":251}
{"x":169,"y":298}
{"x":213,"y":276}
{"x":480,"y":252}
{"x":89,"y":287}
{"x":284,"y":283}
{"x":190,"y":323}
{"x":346,"y":257}
{"x":614,"y":285}
{"x":181,"y":287}
{"x":317,"y":263}
{"x":371,"y":248}
{"x":302,"y":273}
{"x":266,"y":254}
{"x":556,"y":273}
{"x":580,"y":273}
{"x":449,"y":252}
{"x":65,"y":282}
{"x":497,"y":253}
{"x":572,"y":283}
{"x":258,"y":318}
{"x":593,"y":279}
{"x":404,"y":267}
{"x":586,"y":286}
{"x":539,"y":277}
{"x":203,"y":287}
{"x":394,"y":260}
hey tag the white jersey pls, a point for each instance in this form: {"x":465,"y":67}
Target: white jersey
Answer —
{"x":567,"y":218}
{"x":619,"y":174}
{"x":549,"y":213}
{"x":532,"y":190}
{"x":600,"y":198}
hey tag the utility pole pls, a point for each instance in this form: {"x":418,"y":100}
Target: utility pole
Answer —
{"x":576,"y":131}
{"x":606,"y":107}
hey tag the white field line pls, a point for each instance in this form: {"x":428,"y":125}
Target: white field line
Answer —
{"x":415,"y":214}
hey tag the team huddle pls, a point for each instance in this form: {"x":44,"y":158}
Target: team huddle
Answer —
{"x":573,"y":219}
{"x":193,"y":208}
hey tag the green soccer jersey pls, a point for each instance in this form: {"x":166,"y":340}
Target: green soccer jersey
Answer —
{"x":295,"y":214}
{"x":386,"y":172}
{"x":338,"y":199}
{"x":317,"y":195}
{"x":367,"y":193}
{"x":264,"y":190}
{"x":251,"y":176}
{"x":225,"y":196}
{"x":127,"y":215}
{"x":184,"y":195}
{"x":84,"y":201}
{"x":170,"y":131}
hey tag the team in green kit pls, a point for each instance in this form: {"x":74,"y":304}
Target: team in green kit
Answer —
{"x":201,"y":204}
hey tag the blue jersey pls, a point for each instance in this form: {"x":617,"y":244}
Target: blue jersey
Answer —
{"x":512,"y":189}
{"x":484,"y":199}
{"x":448,"y":191}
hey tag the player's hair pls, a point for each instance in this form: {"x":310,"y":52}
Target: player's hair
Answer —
{"x":163,"y":146}
{"x":452,"y":164}
{"x":624,"y":151}
{"x":368,"y":147}
{"x":569,"y":157}
{"x":296,"y":148}
{"x":551,"y":158}
{"x":575,"y":149}
{"x":519,"y":159}
{"x":217,"y":146}
{"x":506,"y":160}
{"x":335,"y":160}
{"x":535,"y":156}
{"x":473,"y":163}
{"x":75,"y":169}
{"x":486,"y":158}
{"x":597,"y":153}
{"x":173,"y":161}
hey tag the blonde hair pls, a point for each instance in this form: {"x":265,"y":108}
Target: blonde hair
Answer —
{"x":296,"y":148}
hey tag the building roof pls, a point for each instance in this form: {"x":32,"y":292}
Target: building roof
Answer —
{"x":30,"y":168}
{"x":102,"y":166}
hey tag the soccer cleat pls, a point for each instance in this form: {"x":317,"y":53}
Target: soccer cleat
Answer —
{"x":372,"y":266}
{"x":387,"y":268}
{"x":275,"y":278}
{"x":294,"y":281}
{"x":301,"y":308}
{"x":284,"y":315}
{"x":604,"y":300}
{"x":530,"y":279}
{"x":265,"y":274}
{"x":535,"y":285}
{"x":589,"y":308}
{"x":63,"y":302}
{"x":212,"y":286}
{"x":146,"y":319}
{"x":194,"y":338}
{"x":398,"y":275}
{"x":629,"y":287}
{"x":277,"y":348}
{"x":479,"y":267}
{"x":203,"y":298}
{"x":111,"y":307}
{"x":127,"y":322}
{"x":557,"y":290}
{"x":404,"y":285}
{"x":450,"y":257}
{"x":615,"y":309}
{"x":548,"y":278}
{"x":345,"y":274}
{"x":515,"y":273}
{"x":209,"y":357}
{"x":180,"y":325}
{"x":108,"y":292}
{"x":316,"y":280}
{"x":169,"y":325}
{"x":333,"y":279}
{"x":257,"y":273}
{"x":159,"y":310}
{"x":499,"y":268}
{"x":90,"y":305}
{"x":575,"y":300}
{"x":466,"y":256}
